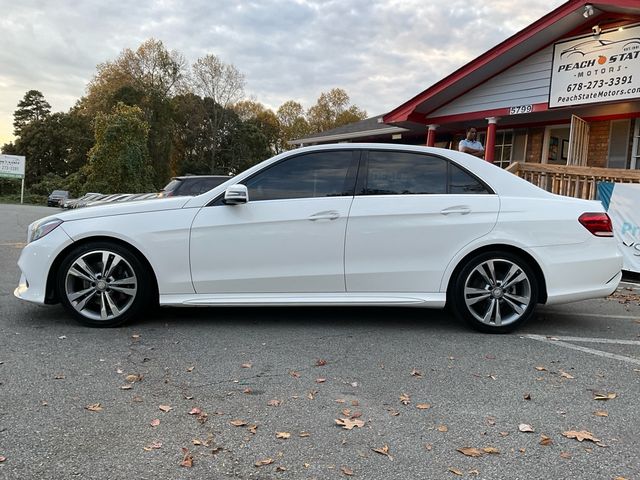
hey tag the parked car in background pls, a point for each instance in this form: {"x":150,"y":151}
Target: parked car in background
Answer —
{"x":343,"y":224}
{"x":191,"y":185}
{"x":57,"y":197}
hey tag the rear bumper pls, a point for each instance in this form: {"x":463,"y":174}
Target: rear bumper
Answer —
{"x":580,"y":272}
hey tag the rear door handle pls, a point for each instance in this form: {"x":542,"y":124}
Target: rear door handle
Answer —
{"x":461,"y":209}
{"x":326,"y":215}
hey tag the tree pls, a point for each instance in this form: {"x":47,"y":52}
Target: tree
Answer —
{"x":147,"y":77}
{"x":119,"y":160}
{"x":263,"y":118}
{"x":292,"y":123}
{"x":332,"y":110}
{"x":57,"y":144}
{"x":224,"y":84}
{"x":32,"y":107}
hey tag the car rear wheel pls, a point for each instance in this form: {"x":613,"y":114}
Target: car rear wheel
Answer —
{"x":103,"y":284}
{"x":495,"y":292}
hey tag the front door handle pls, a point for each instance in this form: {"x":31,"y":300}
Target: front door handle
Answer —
{"x":327,"y":215}
{"x":461,"y":209}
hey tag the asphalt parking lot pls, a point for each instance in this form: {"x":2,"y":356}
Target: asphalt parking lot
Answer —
{"x":258,"y":393}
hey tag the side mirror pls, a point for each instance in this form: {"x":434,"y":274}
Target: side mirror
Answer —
{"x":236,"y":195}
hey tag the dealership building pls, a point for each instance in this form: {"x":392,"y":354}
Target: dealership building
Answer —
{"x":563,"y":93}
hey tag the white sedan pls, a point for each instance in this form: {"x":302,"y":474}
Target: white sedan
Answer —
{"x":345,"y":224}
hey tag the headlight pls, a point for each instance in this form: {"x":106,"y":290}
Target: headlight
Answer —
{"x":41,"y":228}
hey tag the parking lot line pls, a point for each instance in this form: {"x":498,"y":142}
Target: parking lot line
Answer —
{"x":595,"y":315}
{"x":552,"y":340}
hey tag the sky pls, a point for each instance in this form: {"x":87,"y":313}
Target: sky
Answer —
{"x":381,"y":52}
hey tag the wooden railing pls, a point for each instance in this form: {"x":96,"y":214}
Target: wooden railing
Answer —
{"x":579,"y":182}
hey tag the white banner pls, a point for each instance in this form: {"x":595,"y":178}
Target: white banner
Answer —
{"x":12,"y":166}
{"x":596,"y":68}
{"x":625,"y":216}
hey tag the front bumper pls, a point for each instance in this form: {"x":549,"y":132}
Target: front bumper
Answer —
{"x":35,"y":263}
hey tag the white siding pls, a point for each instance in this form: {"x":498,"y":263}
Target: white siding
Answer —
{"x":524,"y":83}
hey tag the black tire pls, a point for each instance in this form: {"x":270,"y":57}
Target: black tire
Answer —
{"x":478,"y":297}
{"x":109,"y":301}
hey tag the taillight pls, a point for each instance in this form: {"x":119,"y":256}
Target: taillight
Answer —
{"x":597,"y":223}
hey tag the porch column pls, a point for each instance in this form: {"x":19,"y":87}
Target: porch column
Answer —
{"x":491,"y":139}
{"x":431,"y":135}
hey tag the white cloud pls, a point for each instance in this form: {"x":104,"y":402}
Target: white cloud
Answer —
{"x":381,"y":52}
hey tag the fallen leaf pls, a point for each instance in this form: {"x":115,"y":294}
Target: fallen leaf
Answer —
{"x":126,"y":387}
{"x":416,"y":373}
{"x":340,"y":400}
{"x":94,"y":407}
{"x":155,"y":422}
{"x":133,"y":377}
{"x":473,"y":472}
{"x":544,"y":440}
{"x":321,"y":380}
{"x":455,"y":471}
{"x":248,"y":391}
{"x":252,"y":429}
{"x":620,"y":478}
{"x":393,"y":412}
{"x":238,"y":423}
{"x":59,"y":377}
{"x":216,"y":450}
{"x":246,"y":365}
{"x":262,"y":462}
{"x":274,"y":403}
{"x":137,"y":398}
{"x":304,"y":434}
{"x":423,"y":406}
{"x":190,"y":369}
{"x":524,"y":427}
{"x":527,"y":396}
{"x":405,"y":399}
{"x":349,"y":424}
{"x":188,"y":397}
{"x":443,"y":428}
{"x":565,"y":375}
{"x":504,"y":434}
{"x":195,"y":411}
{"x":356,"y":415}
{"x":346,"y":471}
{"x":196,"y":442}
{"x":604,"y":396}
{"x":187,"y":460}
{"x":2,"y":459}
{"x":491,"y":421}
{"x":165,"y":408}
{"x":541,"y":369}
{"x":346,"y":412}
{"x":383,"y":451}
{"x":312,"y":394}
{"x":355,"y":403}
{"x":283,"y":435}
{"x":565,"y":455}
{"x":522,"y":450}
{"x":428,"y":447}
{"x":202,"y":418}
{"x":601,"y":413}
{"x":470,"y":452}
{"x":280,"y":468}
{"x":580,"y":436}
{"x":136,"y":336}
{"x":321,"y":362}
{"x":294,"y":374}
{"x":153,"y":446}
{"x":491,"y":450}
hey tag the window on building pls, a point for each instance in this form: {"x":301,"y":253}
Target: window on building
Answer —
{"x":503,"y":148}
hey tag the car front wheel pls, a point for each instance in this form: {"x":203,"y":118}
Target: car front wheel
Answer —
{"x":103,"y":284}
{"x":495,"y":292}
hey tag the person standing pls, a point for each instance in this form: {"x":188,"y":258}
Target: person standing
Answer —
{"x":470,"y":145}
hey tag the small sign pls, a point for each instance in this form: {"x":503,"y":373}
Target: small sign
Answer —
{"x":596,"y":68}
{"x":520,"y":109}
{"x":12,"y":166}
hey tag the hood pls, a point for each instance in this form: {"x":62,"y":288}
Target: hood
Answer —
{"x":124,"y":208}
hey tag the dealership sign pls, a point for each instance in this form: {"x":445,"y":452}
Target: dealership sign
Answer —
{"x":597,"y":68}
{"x":12,"y":166}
